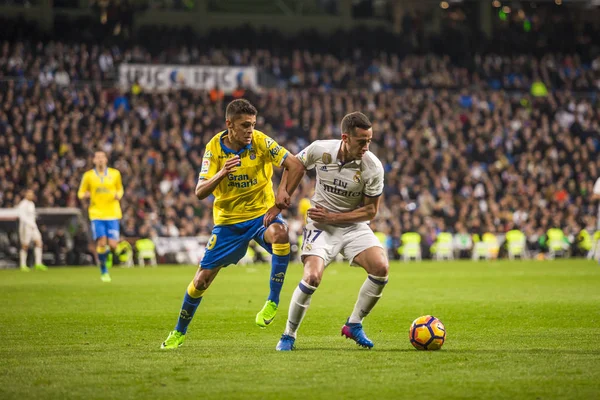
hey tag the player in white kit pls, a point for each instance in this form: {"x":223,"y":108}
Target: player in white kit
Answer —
{"x":29,"y":232}
{"x":596,"y":196}
{"x":349,"y":183}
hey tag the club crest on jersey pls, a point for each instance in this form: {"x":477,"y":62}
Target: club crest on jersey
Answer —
{"x":252,"y":155}
{"x":326,"y":158}
{"x":356,"y":177}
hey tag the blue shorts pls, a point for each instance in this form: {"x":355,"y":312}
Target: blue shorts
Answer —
{"x":108,"y":228}
{"x":229,"y":243}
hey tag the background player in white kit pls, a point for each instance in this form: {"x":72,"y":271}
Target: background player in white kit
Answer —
{"x":29,"y":232}
{"x":349,"y":183}
{"x":596,"y":196}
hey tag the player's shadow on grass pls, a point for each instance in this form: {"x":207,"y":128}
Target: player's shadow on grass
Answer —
{"x":354,"y":349}
{"x":521,"y":351}
{"x":451,"y":351}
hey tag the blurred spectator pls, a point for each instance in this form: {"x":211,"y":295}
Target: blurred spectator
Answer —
{"x":216,"y":94}
{"x":58,"y":246}
{"x":463,"y":243}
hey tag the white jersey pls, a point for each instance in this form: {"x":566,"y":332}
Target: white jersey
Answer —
{"x":27,"y":213}
{"x":596,"y":190}
{"x":342,"y":187}
{"x":28,"y":230}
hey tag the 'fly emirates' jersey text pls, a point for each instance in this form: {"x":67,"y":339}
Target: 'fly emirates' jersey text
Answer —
{"x":342,"y":187}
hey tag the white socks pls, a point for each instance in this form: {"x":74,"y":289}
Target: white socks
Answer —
{"x":298,"y":306}
{"x":23,"y":257}
{"x":38,"y":255}
{"x":368,"y":296}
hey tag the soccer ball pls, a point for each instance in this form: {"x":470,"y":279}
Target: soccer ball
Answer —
{"x":427,"y":333}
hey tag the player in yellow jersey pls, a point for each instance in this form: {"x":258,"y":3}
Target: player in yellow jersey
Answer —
{"x":237,"y":168}
{"x":104,"y":188}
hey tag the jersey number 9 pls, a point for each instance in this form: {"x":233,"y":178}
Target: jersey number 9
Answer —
{"x":211,"y":242}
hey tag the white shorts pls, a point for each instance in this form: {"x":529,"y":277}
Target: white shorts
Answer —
{"x":28,"y":234}
{"x":327,"y":241}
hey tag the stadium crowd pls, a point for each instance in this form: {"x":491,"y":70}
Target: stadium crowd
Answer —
{"x":64,"y":63}
{"x":462,"y":152}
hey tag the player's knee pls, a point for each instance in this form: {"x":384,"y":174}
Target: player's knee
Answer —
{"x":203,"y":279}
{"x":313,"y":279}
{"x":201,"y":283}
{"x":279,"y":233}
{"x":380,"y":268}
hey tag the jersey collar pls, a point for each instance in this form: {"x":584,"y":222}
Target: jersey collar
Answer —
{"x":227,"y":150}
{"x":101,"y":176}
{"x":343,"y":164}
{"x":105,"y":172}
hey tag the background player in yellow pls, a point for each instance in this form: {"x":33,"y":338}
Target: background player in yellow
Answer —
{"x":104,"y":188}
{"x":237,"y":168}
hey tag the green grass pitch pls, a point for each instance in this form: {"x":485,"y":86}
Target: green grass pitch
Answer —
{"x":516,"y":330}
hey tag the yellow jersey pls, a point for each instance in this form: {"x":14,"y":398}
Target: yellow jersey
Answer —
{"x":246,"y":193}
{"x":103,"y":188}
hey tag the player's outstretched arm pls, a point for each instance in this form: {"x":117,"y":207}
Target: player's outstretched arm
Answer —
{"x":365,"y":213}
{"x":206,"y":186}
{"x":292,"y":175}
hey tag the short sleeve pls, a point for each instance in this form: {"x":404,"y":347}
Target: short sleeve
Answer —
{"x":209,"y":165}
{"x":276,"y":152}
{"x":374,"y":185}
{"x":307,"y":157}
{"x":84,"y":186}
{"x":597,"y":187}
